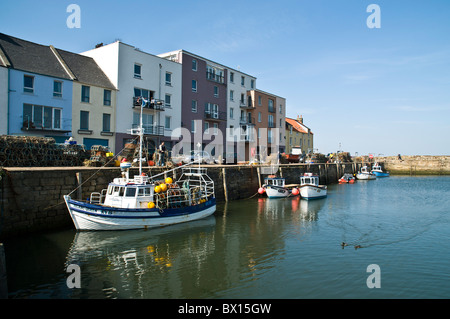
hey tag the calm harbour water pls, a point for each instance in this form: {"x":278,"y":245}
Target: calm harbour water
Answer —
{"x":259,"y":248}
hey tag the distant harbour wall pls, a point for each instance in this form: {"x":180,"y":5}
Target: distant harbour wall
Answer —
{"x":417,"y":164}
{"x":31,"y":199}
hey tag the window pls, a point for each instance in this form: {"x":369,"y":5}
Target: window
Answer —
{"x":242,"y":80}
{"x":85,"y":94}
{"x":130,"y":192}
{"x":259,"y":117}
{"x":168,"y":78}
{"x":107,"y":97}
{"x":84,"y":120}
{"x":271,"y":108}
{"x":28,"y":84}
{"x":252,"y":83}
{"x":281,"y":109}
{"x":167,"y":123}
{"x":216,"y":91}
{"x":269,"y":136}
{"x":192,"y":126}
{"x":259,"y":100}
{"x":271,"y":123}
{"x":168,"y":99}
{"x":206,"y":128}
{"x":137,"y":70}
{"x":194,"y":86}
{"x":147,"y":122}
{"x":231,"y":95}
{"x":194,"y":106}
{"x":37,"y":116}
{"x":146,"y":94}
{"x":57,"y":89}
{"x":231,"y":112}
{"x":106,"y":122}
{"x":231,"y":130}
{"x":216,"y":128}
{"x":232,"y":77}
{"x":194,"y":65}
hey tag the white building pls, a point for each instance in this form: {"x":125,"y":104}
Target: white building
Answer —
{"x":139,"y":75}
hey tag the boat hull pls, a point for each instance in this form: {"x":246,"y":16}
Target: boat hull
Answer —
{"x":97,"y":217}
{"x":276,"y":192}
{"x":380,"y":174}
{"x":364,"y":176}
{"x":313,"y":192}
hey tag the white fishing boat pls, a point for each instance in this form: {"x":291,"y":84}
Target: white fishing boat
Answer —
{"x":144,"y":202}
{"x":365,"y":174}
{"x":378,"y":171}
{"x":275,"y":187}
{"x":310,"y":188}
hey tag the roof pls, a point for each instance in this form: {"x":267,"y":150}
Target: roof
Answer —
{"x":85,"y":69}
{"x":298,"y":126}
{"x":30,"y":57}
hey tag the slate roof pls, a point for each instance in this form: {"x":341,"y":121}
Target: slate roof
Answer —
{"x":31,"y":57}
{"x":85,"y":69}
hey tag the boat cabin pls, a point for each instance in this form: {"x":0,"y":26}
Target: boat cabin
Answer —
{"x":129,"y":195}
{"x":309,"y":179}
{"x":364,"y":170}
{"x":274,"y":181}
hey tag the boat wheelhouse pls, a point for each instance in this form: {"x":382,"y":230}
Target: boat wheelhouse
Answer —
{"x":378,"y":171}
{"x":365,"y":174}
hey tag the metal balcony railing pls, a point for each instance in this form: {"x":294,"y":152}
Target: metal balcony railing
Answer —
{"x":151,"y":129}
{"x":219,"y":116}
{"x":152,"y":104}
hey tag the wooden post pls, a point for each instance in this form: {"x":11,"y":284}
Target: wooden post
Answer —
{"x":225,"y":193}
{"x":3,"y":282}
{"x":79,"y":182}
{"x":259,"y":176}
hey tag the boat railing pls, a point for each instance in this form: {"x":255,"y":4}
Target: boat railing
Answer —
{"x":140,"y":179}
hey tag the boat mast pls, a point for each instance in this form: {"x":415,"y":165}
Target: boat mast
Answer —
{"x":141,"y":138}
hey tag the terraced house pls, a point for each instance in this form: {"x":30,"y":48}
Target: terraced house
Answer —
{"x":39,"y":94}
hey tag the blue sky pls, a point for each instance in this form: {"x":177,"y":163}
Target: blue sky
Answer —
{"x":381,"y":91}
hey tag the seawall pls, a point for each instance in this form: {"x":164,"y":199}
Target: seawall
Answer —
{"x":417,"y":164}
{"x":31,"y":199}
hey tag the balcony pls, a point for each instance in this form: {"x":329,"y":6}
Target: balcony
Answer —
{"x":247,"y":120}
{"x":217,"y":116}
{"x":271,"y":124}
{"x":150,"y":129}
{"x":272,"y":109}
{"x":215,"y":77}
{"x":152,"y":104}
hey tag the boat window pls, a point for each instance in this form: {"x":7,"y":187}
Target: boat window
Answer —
{"x":116,"y":189}
{"x":130,"y":192}
{"x":110,"y":190}
{"x":141,"y":192}
{"x":121,"y":190}
{"x":147,"y":191}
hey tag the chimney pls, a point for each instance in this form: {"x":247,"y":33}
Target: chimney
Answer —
{"x":300,"y":119}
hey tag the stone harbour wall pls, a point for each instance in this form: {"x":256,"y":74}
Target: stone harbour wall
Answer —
{"x":31,"y":199}
{"x":417,"y":164}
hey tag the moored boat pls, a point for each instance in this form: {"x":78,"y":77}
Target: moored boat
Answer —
{"x":378,"y":171}
{"x":310,"y":188}
{"x":347,"y":179}
{"x":365,"y":174}
{"x":145,"y":202}
{"x":275,"y":187}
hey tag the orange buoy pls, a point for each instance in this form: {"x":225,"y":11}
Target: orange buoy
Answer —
{"x":261,"y":190}
{"x":295,"y":191}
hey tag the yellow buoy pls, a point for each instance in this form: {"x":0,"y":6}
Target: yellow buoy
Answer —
{"x":151,"y":205}
{"x":163,"y":187}
{"x":169,"y":180}
{"x":157,"y":189}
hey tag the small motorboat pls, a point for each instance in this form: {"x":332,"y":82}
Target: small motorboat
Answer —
{"x":347,"y":179}
{"x":365,"y":174}
{"x":378,"y":171}
{"x":310,"y":188}
{"x":274,"y":187}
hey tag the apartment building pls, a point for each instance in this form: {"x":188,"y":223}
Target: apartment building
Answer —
{"x":140,"y":76}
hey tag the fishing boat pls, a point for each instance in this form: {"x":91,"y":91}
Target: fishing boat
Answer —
{"x":145,"y":202}
{"x":275,"y":187}
{"x":365,"y":174}
{"x":310,"y":188}
{"x":347,"y":179}
{"x":378,"y":171}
